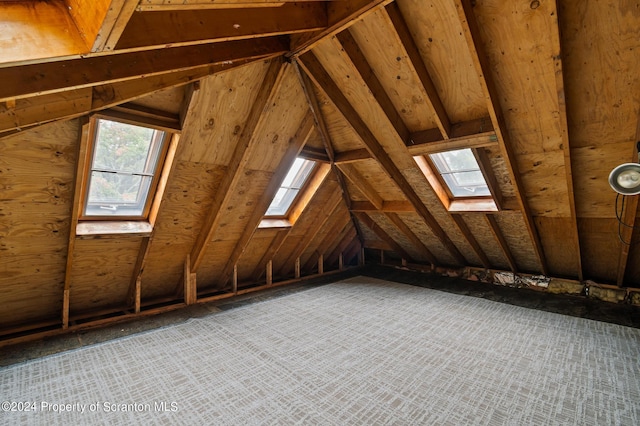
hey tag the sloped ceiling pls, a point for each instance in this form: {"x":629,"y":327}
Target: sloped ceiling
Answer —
{"x":549,"y":93}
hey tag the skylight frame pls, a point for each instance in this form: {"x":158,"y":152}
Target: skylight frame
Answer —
{"x":138,"y":210}
{"x":452,"y":174}
{"x":294,"y":184}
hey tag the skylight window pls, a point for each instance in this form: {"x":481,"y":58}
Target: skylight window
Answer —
{"x":124,"y":170}
{"x":291,"y":186}
{"x":461,"y":173}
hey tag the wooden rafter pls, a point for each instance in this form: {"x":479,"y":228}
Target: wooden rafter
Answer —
{"x":397,"y":221}
{"x":628,"y":218}
{"x":480,"y":62}
{"x":502,"y":243}
{"x":175,"y":28}
{"x":399,"y":206}
{"x":413,"y":53}
{"x":352,"y":50}
{"x":42,"y":78}
{"x":468,"y":235}
{"x":362,"y":184}
{"x":322,"y":79}
{"x":297,"y":142}
{"x":383,"y":235}
{"x":240,"y":157}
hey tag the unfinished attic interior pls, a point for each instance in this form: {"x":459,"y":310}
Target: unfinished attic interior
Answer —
{"x":156,"y":154}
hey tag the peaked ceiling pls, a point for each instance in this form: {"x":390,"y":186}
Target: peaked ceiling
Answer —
{"x":547,"y":93}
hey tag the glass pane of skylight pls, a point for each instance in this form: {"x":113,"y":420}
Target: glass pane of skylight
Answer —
{"x":461,"y":173}
{"x":291,"y":185}
{"x":125,"y":158}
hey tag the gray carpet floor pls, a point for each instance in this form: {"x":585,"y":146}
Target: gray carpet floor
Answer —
{"x":361,"y":351}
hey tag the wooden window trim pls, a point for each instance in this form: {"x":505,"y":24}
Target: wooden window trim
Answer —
{"x":140,"y":225}
{"x":489,"y":203}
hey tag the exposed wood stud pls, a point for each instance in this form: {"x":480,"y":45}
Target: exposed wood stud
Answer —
{"x":273,"y":248}
{"x":321,"y":264}
{"x":137,"y":272}
{"x":341,"y":261}
{"x":320,"y":77}
{"x":297,"y":268}
{"x":269,"y":272}
{"x":190,"y":288}
{"x":138,"y":293}
{"x":629,"y":219}
{"x":468,"y":235}
{"x":504,"y":247}
{"x":435,"y":103}
{"x":241,"y":154}
{"x":335,"y":232}
{"x":83,"y":152}
{"x":361,"y":261}
{"x":234,"y":284}
{"x":483,"y":69}
{"x":397,"y":221}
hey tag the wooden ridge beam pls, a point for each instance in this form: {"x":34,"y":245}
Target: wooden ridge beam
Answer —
{"x":175,"y":28}
{"x":33,"y":79}
{"x":240,"y":157}
{"x":468,"y":235}
{"x":502,"y":243}
{"x":629,"y":219}
{"x":397,"y":221}
{"x":297,"y":142}
{"x":483,"y":69}
{"x":382,"y":234}
{"x":321,"y":78}
{"x":415,"y":59}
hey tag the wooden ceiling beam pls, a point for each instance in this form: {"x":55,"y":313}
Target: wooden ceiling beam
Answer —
{"x":34,"y":79}
{"x":42,"y":109}
{"x":399,"y":206}
{"x":362,"y":184}
{"x":566,"y":145}
{"x":413,"y":53}
{"x":629,"y":219}
{"x":235,"y":169}
{"x":358,"y":59}
{"x":296,"y":143}
{"x":502,"y":243}
{"x":468,"y":235}
{"x":397,"y":221}
{"x":382,"y":234}
{"x":323,"y":81}
{"x":184,"y":27}
{"x":483,"y":69}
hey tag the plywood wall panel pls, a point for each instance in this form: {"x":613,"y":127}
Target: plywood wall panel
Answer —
{"x":513,"y":229}
{"x":436,"y":28}
{"x":373,"y":173}
{"x":477,"y":223}
{"x":256,"y":249}
{"x":424,"y":233}
{"x":380,"y":44}
{"x":342,"y":135}
{"x":218,"y":114}
{"x":168,"y":100}
{"x":600,"y":43}
{"x":216,"y":257}
{"x":600,"y":246}
{"x":183,"y":210}
{"x":560,"y":248}
{"x":102,"y":271}
{"x":37,"y":169}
